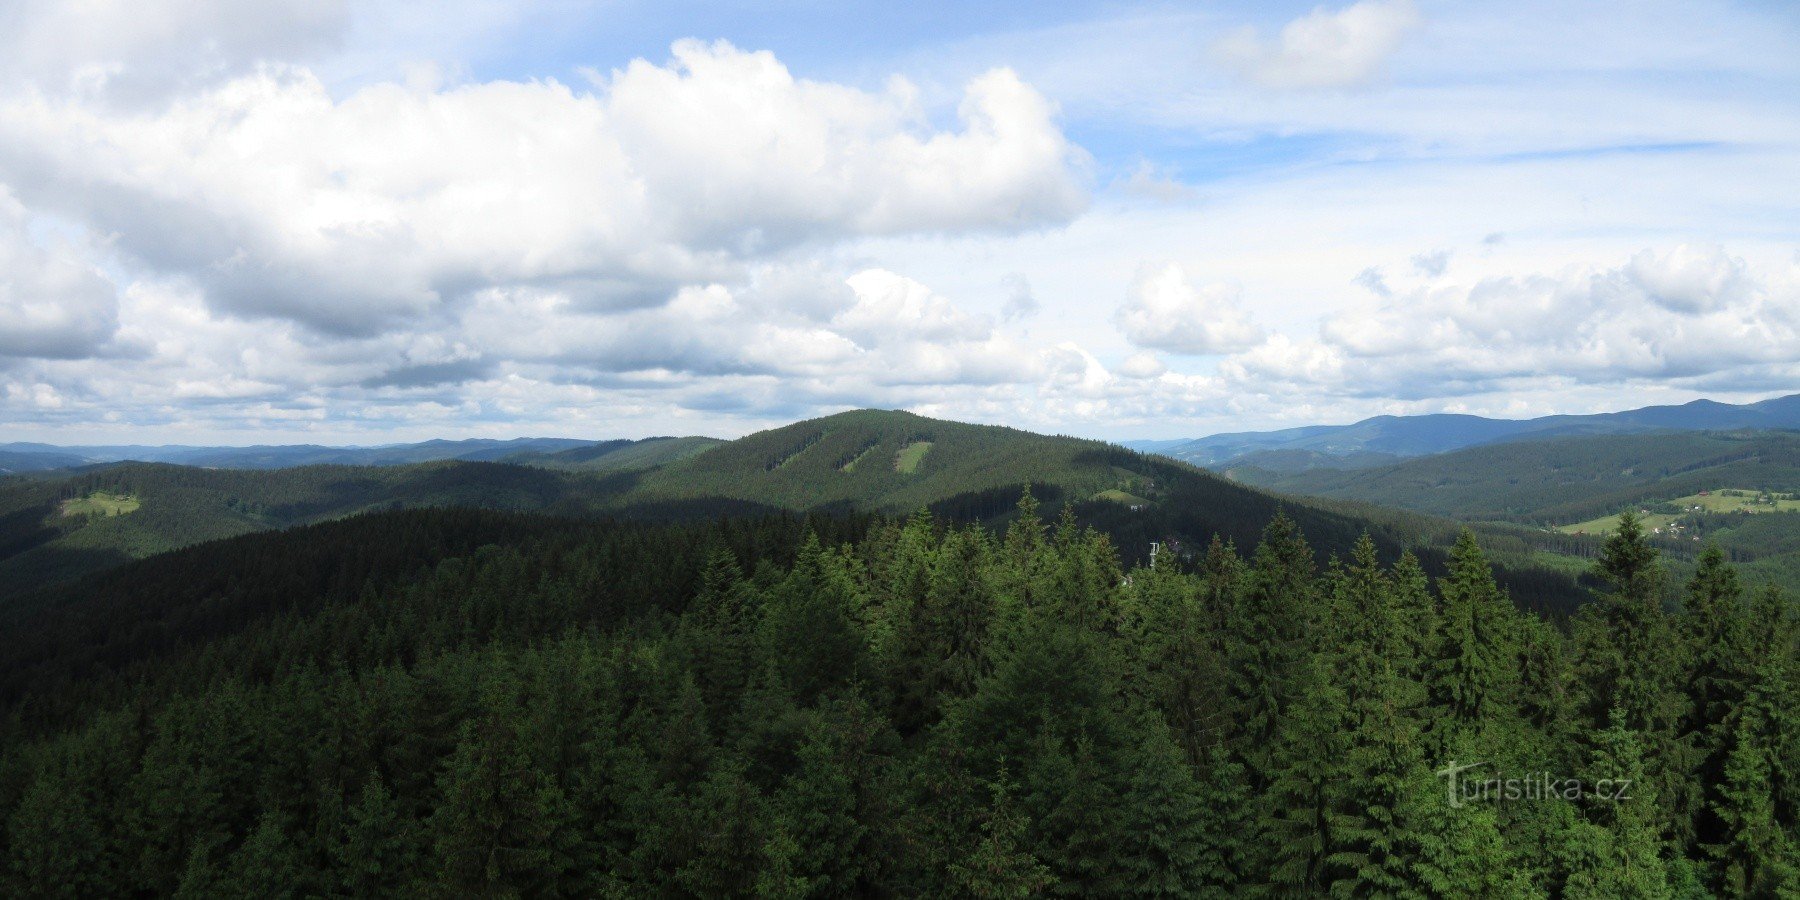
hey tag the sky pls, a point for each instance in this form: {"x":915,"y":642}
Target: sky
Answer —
{"x":334,"y":222}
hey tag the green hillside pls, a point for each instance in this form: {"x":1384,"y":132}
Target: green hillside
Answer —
{"x":880,"y":460}
{"x":868,"y":461}
{"x":895,"y":462}
{"x":54,"y":529}
{"x":1557,"y":482}
{"x":1566,"y":494}
{"x":619,"y":456}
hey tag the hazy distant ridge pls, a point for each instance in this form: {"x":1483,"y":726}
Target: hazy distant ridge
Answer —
{"x":1404,"y":436}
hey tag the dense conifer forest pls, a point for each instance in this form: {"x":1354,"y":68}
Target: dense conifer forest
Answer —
{"x":479,"y":703}
{"x":846,"y":464}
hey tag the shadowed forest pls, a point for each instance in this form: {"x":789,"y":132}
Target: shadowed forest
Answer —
{"x":493,"y":704}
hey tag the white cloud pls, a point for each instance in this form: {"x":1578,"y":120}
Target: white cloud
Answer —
{"x":1687,"y":314}
{"x":1323,"y":49}
{"x":1142,"y":364}
{"x":120,"y":50}
{"x":54,"y":303}
{"x":1165,"y":310}
{"x":1690,"y":279}
{"x":356,"y":215}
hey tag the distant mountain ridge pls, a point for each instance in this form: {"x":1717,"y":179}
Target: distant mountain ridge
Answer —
{"x":554,"y":452}
{"x":59,"y":525}
{"x":1367,"y":442}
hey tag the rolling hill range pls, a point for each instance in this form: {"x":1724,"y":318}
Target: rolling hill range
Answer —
{"x":1557,"y":486}
{"x":555,"y":452}
{"x":858,"y":462}
{"x":1555,"y":481}
{"x":1384,"y":438}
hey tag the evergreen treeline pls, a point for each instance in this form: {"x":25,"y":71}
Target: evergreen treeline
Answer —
{"x":1558,"y":481}
{"x":460,"y":703}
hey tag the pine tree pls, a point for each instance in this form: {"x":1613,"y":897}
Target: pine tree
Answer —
{"x":939,"y":652}
{"x":1628,"y":660}
{"x":267,"y":865}
{"x":1303,"y":807}
{"x":810,"y":628}
{"x":1626,"y":635}
{"x":503,"y":824}
{"x":1268,"y":644}
{"x":1420,"y":622}
{"x":724,"y":831}
{"x":376,"y":854}
{"x":998,"y":867}
{"x":1755,"y":853}
{"x":1715,"y":631}
{"x":1474,"y":677}
{"x":1625,"y":858}
{"x":833,"y":805}
{"x":1227,"y":828}
{"x":1176,"y":664}
{"x":1221,"y":580}
{"x":1163,"y":826}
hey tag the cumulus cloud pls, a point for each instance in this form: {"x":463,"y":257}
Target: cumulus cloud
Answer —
{"x":118,"y":50}
{"x":54,"y":303}
{"x":1165,"y":310}
{"x":1685,"y":314}
{"x":1324,"y":48}
{"x":1142,"y":364}
{"x":355,"y":215}
{"x":1690,"y":279}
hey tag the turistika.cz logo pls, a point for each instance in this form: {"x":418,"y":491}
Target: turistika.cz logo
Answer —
{"x":1464,"y":789}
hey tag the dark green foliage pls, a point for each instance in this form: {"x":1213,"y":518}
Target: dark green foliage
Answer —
{"x":839,"y":464}
{"x":466,"y":703}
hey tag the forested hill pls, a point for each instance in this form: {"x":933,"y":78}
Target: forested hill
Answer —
{"x":1406,"y":436}
{"x":866,"y":461}
{"x":479,"y":704}
{"x":1557,"y":481}
{"x":554,"y":452}
{"x":1696,"y":488}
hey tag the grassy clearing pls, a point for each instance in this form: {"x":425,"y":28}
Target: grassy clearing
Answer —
{"x":1727,"y":500}
{"x":1607,"y":524}
{"x":1118,"y":496}
{"x":101,"y":504}
{"x":851,"y":465}
{"x":1735,"y":500}
{"x":907,"y":460}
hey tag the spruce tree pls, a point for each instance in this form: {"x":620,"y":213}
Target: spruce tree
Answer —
{"x":1626,"y":848}
{"x":1474,"y":676}
{"x":376,"y":853}
{"x":1268,"y":644}
{"x":1755,"y":852}
{"x":998,"y":866}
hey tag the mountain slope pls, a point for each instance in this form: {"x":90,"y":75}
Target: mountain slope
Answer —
{"x":1424,"y":435}
{"x":42,"y":541}
{"x":1553,"y":481}
{"x":619,"y":455}
{"x":282,"y":456}
{"x":867,"y":461}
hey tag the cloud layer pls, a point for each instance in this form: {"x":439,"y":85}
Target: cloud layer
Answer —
{"x":355,"y":216}
{"x":243,"y":222}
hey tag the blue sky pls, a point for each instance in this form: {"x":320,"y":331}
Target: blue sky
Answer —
{"x":361,"y":222}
